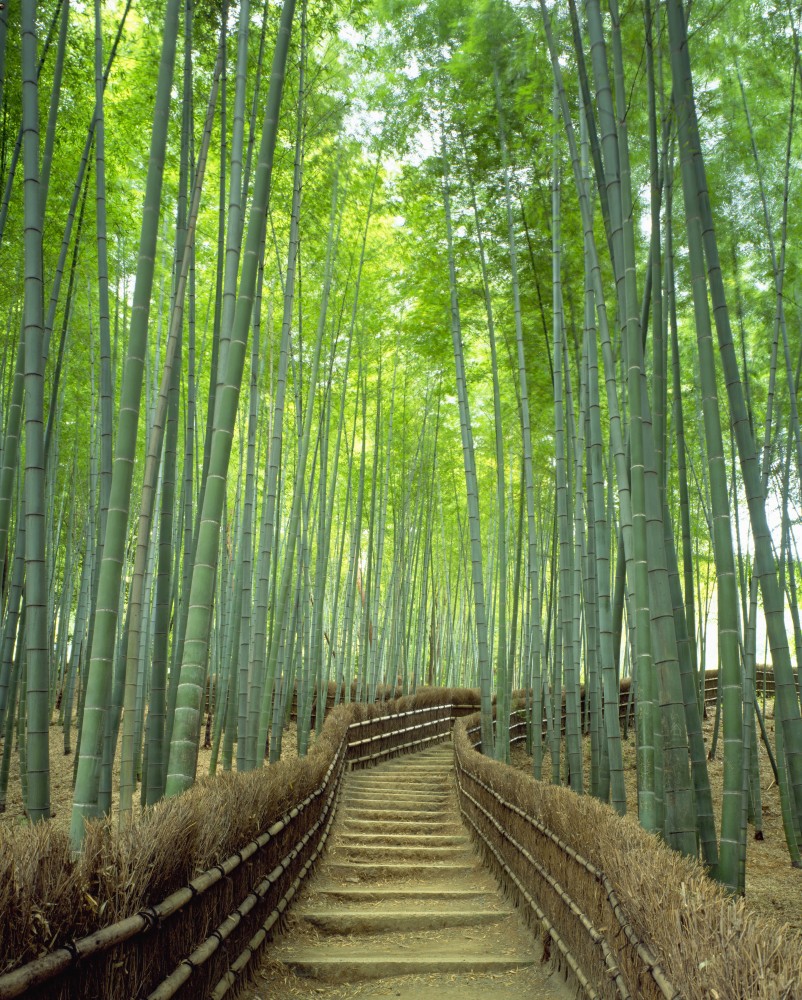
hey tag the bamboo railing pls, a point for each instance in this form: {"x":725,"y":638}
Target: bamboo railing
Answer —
{"x":582,"y":921}
{"x":199,"y":940}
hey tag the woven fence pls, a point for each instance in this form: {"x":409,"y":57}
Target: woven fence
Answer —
{"x":194,"y":889}
{"x":619,"y":911}
{"x":198,"y":938}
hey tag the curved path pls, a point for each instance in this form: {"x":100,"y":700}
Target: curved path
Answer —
{"x":401,"y":905}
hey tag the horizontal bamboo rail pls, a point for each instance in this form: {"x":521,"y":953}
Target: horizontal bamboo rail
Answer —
{"x":519,"y":724}
{"x":495,"y":809}
{"x":383,"y":736}
{"x":365,"y":743}
{"x":48,"y":967}
{"x":384,"y":744}
{"x":180,"y":975}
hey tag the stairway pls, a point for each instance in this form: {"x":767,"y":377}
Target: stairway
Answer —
{"x":401,"y":905}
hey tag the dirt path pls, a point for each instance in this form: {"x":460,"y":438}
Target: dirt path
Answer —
{"x":401,"y":905}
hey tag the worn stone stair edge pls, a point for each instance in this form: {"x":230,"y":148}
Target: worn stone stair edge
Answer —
{"x":421,"y":837}
{"x":391,"y":892}
{"x":379,"y":966}
{"x":351,"y":921}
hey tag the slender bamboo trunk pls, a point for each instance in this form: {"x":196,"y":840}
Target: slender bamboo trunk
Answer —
{"x":37,"y":657}
{"x":470,"y":475}
{"x":697,"y":202}
{"x":105,"y":613}
{"x":184,"y":743}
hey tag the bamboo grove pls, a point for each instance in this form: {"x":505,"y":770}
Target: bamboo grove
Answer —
{"x":391,"y":346}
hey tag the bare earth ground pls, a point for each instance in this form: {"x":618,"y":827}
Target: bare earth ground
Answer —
{"x":772,"y":885}
{"x":61,"y":771}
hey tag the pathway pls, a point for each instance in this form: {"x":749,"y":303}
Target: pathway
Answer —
{"x":401,"y":905}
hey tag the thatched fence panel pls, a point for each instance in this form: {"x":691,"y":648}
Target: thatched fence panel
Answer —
{"x":621,"y":913}
{"x":200,"y":938}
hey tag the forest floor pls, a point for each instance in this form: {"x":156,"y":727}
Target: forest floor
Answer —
{"x":61,"y":777}
{"x":772,"y":885}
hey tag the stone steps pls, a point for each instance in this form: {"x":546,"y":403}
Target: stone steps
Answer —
{"x":372,"y":921}
{"x":347,"y":838}
{"x":335,"y":968}
{"x":402,"y":893}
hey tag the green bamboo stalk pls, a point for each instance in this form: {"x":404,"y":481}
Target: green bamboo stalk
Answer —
{"x":3,"y":41}
{"x":315,"y":667}
{"x":334,"y":644}
{"x":322,"y":688}
{"x":601,"y":539}
{"x":11,"y":718}
{"x":378,"y":656}
{"x":37,"y":673}
{"x":268,"y":553}
{"x":729,"y":655}
{"x":697,"y":200}
{"x":13,"y":611}
{"x":564,"y":670}
{"x":646,"y":710}
{"x":235,"y":219}
{"x":353,"y":563}
{"x":78,"y":641}
{"x":20,"y":134}
{"x":469,"y":462}
{"x":184,"y":742}
{"x":138,"y":604}
{"x":244,"y":644}
{"x":503,"y":674}
{"x":85,"y":804}
{"x":366,"y":642}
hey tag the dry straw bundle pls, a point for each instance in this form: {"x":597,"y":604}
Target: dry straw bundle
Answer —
{"x":48,"y":899}
{"x":708,"y":944}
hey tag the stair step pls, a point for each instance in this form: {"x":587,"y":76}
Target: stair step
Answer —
{"x":406,"y":782}
{"x":397,"y":808}
{"x":319,"y":963}
{"x":406,"y":839}
{"x":377,"y":814}
{"x":442,"y":776}
{"x":444,"y":766}
{"x":400,"y":796}
{"x":355,"y":871}
{"x":398,"y":921}
{"x":406,"y":852}
{"x":395,"y":794}
{"x":435,"y":827}
{"x":400,"y":788}
{"x":403,"y":894}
